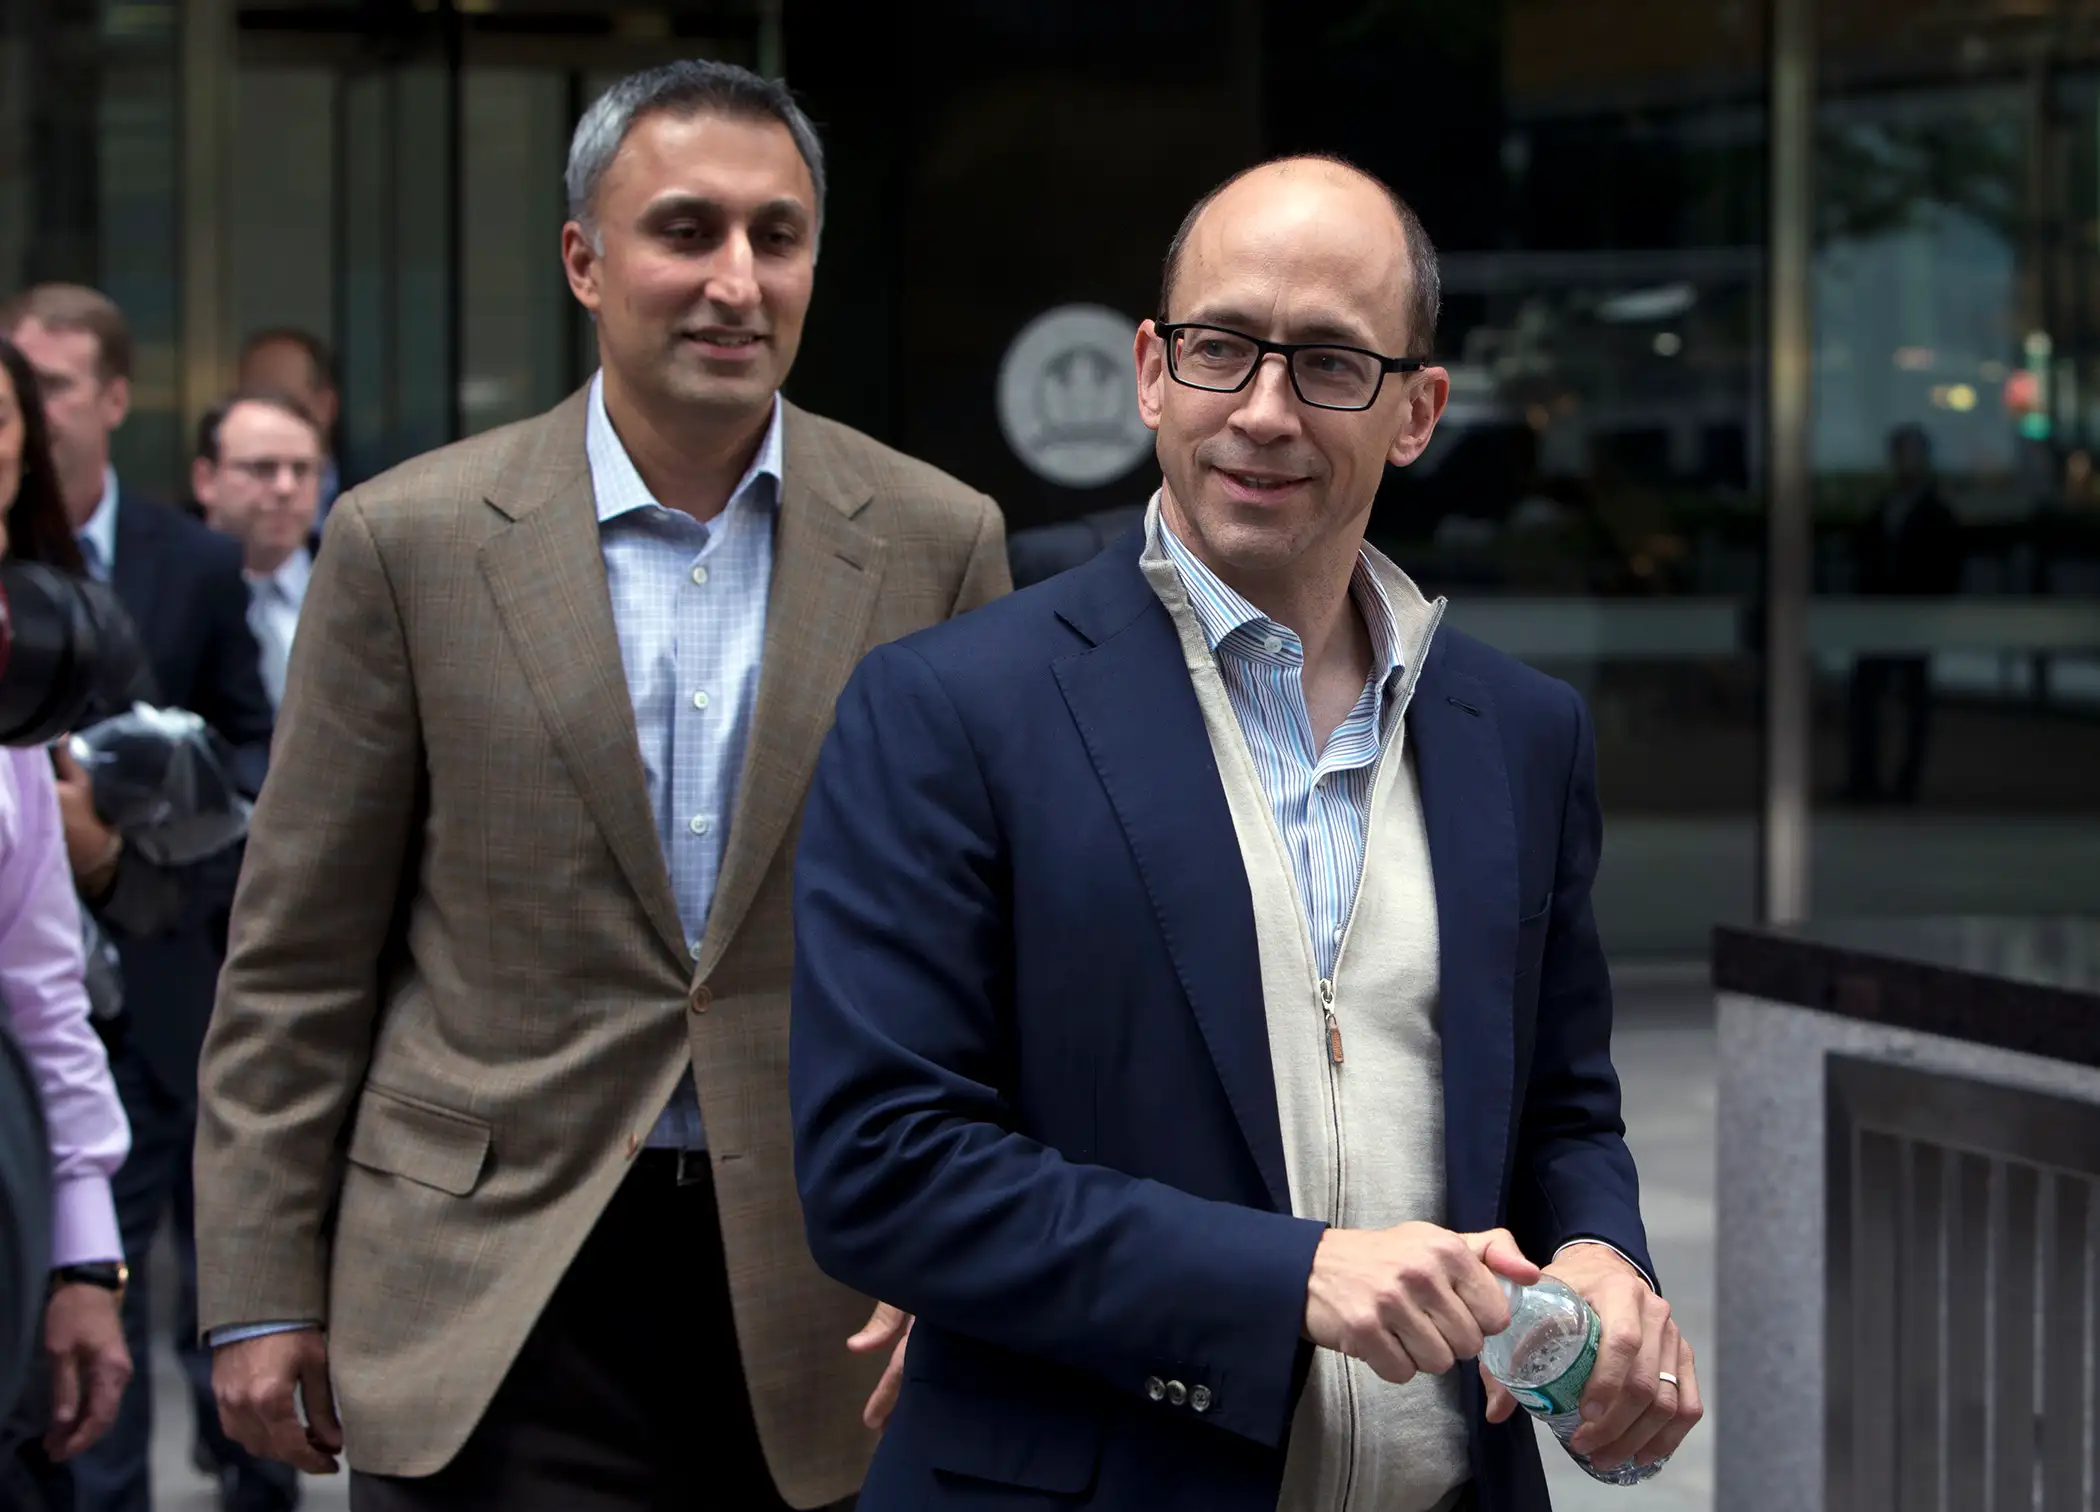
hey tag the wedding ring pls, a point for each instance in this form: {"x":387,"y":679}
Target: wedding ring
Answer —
{"x":1664,"y":1375}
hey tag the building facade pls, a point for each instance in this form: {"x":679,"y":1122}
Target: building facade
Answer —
{"x":1606,"y":179}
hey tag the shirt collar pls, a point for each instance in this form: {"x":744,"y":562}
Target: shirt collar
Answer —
{"x":290,"y":576}
{"x":619,"y":486}
{"x":1223,"y":613}
{"x":101,"y":527}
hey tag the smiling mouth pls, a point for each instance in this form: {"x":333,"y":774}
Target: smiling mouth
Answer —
{"x":1261,"y":482}
{"x":731,"y":341}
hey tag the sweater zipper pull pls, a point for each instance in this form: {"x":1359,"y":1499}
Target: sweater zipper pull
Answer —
{"x":1334,"y":1028}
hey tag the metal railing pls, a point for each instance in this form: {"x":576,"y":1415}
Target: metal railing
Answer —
{"x":1963,"y":1253}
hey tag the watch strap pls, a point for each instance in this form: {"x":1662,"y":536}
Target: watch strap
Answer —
{"x":110,"y":1275}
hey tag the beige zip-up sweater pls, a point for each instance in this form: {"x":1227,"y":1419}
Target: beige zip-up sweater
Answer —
{"x":1363,"y":1137}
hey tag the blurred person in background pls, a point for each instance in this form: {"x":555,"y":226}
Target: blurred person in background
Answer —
{"x":87,"y":1362}
{"x":183,"y":588}
{"x":257,"y":478}
{"x":493,"y":1172}
{"x":1909,"y":545}
{"x":298,"y":364}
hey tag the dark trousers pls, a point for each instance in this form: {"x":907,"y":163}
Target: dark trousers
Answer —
{"x":115,"y":1475}
{"x":629,"y":1393}
{"x":29,"y":1482}
{"x":1875,"y":679}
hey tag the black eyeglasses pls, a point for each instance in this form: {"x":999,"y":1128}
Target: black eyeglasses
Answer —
{"x":1325,"y":376}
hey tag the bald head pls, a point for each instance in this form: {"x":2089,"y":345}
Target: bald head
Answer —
{"x":1323,"y":200}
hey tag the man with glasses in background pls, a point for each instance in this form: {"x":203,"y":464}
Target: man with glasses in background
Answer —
{"x":257,"y":477}
{"x":298,"y":364}
{"x":1197,"y":1006}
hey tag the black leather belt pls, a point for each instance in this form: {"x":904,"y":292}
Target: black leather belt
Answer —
{"x":679,"y":1167}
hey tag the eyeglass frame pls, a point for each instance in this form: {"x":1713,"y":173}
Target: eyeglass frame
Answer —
{"x":1167,"y":330}
{"x":264,"y":471}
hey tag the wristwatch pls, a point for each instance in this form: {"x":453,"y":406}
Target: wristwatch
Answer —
{"x":110,"y":1275}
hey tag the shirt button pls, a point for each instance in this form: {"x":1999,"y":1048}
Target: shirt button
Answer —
{"x":699,"y":824}
{"x":700,"y":575}
{"x":699,"y":700}
{"x":1155,"y":1388}
{"x":1337,"y":933}
{"x":1177,"y":1393}
{"x":1273,"y":644}
{"x":694,"y":949}
{"x":1199,"y":1398}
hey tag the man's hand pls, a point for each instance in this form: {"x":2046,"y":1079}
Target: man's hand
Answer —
{"x":260,"y":1384}
{"x":1630,"y":1411}
{"x":91,"y":845}
{"x":886,"y":1326}
{"x":1412,"y":1300}
{"x":90,"y":1367}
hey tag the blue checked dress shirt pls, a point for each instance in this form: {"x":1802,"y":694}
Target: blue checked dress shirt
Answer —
{"x":689,"y":603}
{"x":1321,"y":798}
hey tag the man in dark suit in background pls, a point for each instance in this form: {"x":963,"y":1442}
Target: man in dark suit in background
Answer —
{"x":182,"y":585}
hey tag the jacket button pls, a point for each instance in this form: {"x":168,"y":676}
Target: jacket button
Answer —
{"x":1199,"y":1398}
{"x":1155,"y":1388}
{"x":701,"y":998}
{"x":1177,"y":1393}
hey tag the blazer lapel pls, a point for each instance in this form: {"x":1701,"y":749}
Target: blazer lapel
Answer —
{"x":1137,"y":713}
{"x":546,"y":573}
{"x":1473,"y":850}
{"x":827,"y":570}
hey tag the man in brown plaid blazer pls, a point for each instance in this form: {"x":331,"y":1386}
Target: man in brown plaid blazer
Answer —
{"x":492,"y":939}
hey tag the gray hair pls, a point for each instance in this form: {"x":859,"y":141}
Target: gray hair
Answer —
{"x":686,"y":88}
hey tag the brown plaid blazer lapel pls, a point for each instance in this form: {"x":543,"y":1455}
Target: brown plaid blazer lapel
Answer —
{"x":546,"y":573}
{"x":827,"y":571}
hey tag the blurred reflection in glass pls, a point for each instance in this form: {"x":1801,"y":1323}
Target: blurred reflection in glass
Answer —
{"x":1956,"y":629}
{"x":1908,"y":545}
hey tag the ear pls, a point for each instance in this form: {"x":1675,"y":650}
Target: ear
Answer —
{"x":579,"y":260}
{"x":1151,"y":355}
{"x":1426,"y":394}
{"x":116,"y":401}
{"x":204,"y":483}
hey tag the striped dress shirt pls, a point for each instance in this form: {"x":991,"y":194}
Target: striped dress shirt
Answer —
{"x":689,"y":603}
{"x":1321,"y":798}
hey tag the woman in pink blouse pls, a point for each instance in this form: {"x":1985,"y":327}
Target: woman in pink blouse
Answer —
{"x":42,"y":994}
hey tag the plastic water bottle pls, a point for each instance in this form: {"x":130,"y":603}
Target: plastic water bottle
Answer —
{"x":1544,"y":1359}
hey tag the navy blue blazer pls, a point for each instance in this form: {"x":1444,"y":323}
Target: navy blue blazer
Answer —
{"x":1029,"y":1062}
{"x":181,"y":584}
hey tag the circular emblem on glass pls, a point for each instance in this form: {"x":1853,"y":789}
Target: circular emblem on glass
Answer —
{"x":1068,"y":397}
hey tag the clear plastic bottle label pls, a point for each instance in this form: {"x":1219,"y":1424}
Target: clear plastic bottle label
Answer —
{"x":1563,"y":1394}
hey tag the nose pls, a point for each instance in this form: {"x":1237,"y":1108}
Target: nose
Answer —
{"x":732,"y":282}
{"x":1268,"y":411}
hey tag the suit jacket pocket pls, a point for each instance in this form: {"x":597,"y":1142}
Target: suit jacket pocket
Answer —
{"x":998,"y":1416}
{"x":1010,"y":1440}
{"x":430,"y":1145}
